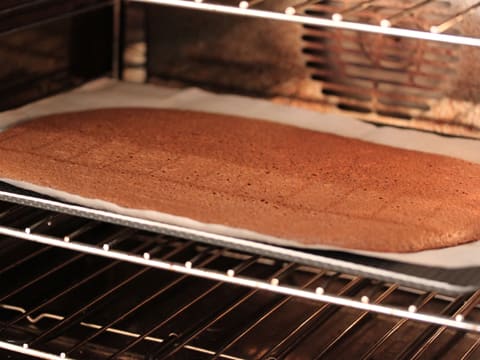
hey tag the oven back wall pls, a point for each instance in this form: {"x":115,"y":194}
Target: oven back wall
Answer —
{"x":56,"y":55}
{"x":226,"y":52}
{"x":407,"y":83}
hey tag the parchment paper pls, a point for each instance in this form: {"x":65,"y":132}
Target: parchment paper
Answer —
{"x":109,"y":93}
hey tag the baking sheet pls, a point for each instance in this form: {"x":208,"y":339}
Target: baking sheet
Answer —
{"x":109,"y":93}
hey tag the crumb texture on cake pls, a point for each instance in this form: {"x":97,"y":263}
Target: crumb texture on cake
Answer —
{"x":278,"y":180}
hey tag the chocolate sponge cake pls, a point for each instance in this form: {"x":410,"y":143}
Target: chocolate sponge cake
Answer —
{"x":295,"y":184}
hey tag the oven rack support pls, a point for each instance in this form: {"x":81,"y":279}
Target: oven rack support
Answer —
{"x":25,"y":350}
{"x":230,"y":277}
{"x":337,"y":22}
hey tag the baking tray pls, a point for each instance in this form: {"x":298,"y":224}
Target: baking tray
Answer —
{"x":443,"y":280}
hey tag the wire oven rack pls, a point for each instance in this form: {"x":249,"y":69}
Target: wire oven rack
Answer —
{"x":79,"y":300}
{"x":77,"y":285}
{"x":340,"y":19}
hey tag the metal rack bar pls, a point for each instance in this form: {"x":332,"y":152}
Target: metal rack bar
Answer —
{"x":316,"y":21}
{"x":227,"y":241}
{"x":356,"y":323}
{"x":465,"y":309}
{"x":339,"y":16}
{"x":239,"y":268}
{"x":121,"y":332}
{"x":23,"y":217}
{"x":42,"y":276}
{"x":140,"y":304}
{"x":241,"y":332}
{"x":166,"y":352}
{"x":86,"y":309}
{"x":311,"y":323}
{"x":470,"y":351}
{"x":23,"y":6}
{"x":454,"y":308}
{"x":9,"y":210}
{"x":25,"y":350}
{"x":109,"y":330}
{"x":421,"y":302}
{"x":25,"y":259}
{"x":295,"y":9}
{"x":455,"y":19}
{"x":65,"y":291}
{"x":248,"y":4}
{"x":387,"y":22}
{"x":230,"y":277}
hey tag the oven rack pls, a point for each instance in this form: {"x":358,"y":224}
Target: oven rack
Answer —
{"x":339,"y":20}
{"x":188,"y":259}
{"x":438,"y":280}
{"x":230,"y":277}
{"x":25,"y":350}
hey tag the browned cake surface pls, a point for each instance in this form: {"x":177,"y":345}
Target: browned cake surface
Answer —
{"x":278,"y":180}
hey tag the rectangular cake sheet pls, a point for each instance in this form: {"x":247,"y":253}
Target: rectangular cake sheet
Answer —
{"x":109,"y":93}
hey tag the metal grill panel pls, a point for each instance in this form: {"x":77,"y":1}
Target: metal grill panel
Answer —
{"x":57,"y":303}
{"x":379,"y":75}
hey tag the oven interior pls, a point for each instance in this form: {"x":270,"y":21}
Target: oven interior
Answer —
{"x":88,"y":287}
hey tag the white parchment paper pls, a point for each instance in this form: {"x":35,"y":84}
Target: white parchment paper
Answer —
{"x":109,"y":93}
